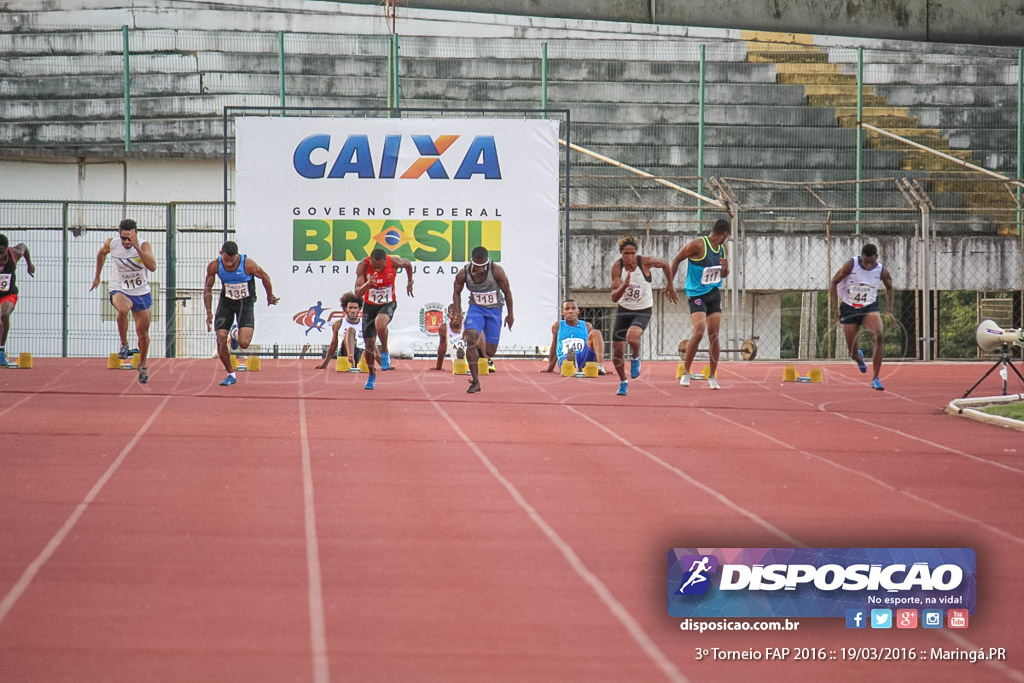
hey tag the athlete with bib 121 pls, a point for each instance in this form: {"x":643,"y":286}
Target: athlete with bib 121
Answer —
{"x":856,"y":284}
{"x":375,"y":282}
{"x":237,"y":273}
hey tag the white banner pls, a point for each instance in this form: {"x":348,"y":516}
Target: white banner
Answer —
{"x":315,"y":196}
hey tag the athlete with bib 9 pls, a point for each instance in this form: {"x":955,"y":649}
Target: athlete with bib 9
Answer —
{"x":237,"y":273}
{"x":856,"y":284}
{"x":375,"y":282}
{"x":129,"y":288}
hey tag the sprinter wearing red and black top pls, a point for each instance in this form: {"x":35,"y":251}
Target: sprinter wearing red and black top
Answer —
{"x":375,"y":283}
{"x":8,"y":288}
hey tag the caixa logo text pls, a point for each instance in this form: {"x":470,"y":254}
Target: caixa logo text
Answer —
{"x":318,"y":156}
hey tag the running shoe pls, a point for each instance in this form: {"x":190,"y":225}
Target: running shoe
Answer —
{"x":875,"y":384}
{"x":600,"y":369}
{"x":143,"y":376}
{"x":370,"y":381}
{"x":490,"y":366}
{"x":228,"y":381}
{"x":3,"y":359}
{"x":623,"y":388}
{"x":124,"y":352}
{"x":474,"y":388}
{"x":684,"y":381}
{"x":860,"y":361}
{"x":385,"y":361}
{"x":634,"y":368}
{"x":713,"y":383}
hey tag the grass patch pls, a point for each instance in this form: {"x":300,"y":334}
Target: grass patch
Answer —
{"x":1011,"y":410}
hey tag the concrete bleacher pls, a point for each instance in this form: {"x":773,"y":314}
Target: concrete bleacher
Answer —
{"x":783,"y":112}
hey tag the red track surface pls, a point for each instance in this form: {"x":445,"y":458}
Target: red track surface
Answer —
{"x":297,"y":527}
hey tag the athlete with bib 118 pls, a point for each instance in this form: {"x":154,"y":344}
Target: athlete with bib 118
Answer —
{"x":375,"y":282}
{"x":489,"y":291}
{"x":237,"y":300}
{"x":856,"y":284}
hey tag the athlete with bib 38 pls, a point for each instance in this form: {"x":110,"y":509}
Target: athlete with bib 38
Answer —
{"x":375,"y":282}
{"x":237,"y":299}
{"x":856,"y":283}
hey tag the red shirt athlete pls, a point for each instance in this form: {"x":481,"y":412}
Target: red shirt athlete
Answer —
{"x":375,"y":283}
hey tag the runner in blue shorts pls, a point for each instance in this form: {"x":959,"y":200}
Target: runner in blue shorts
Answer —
{"x":489,"y":291}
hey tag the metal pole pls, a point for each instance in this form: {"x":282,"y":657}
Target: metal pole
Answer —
{"x":700,"y":138}
{"x":734,"y":323}
{"x":860,"y":133}
{"x":394,"y":65}
{"x":225,"y":174}
{"x":1020,"y":133}
{"x":565,"y":274}
{"x":172,"y":281}
{"x":926,"y":292}
{"x":65,"y":304}
{"x":544,"y":77}
{"x":391,"y":88}
{"x":280,"y":67}
{"x":126,"y":68}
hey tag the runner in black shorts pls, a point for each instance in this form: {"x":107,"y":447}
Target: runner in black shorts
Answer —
{"x":237,"y":299}
{"x":631,"y":290}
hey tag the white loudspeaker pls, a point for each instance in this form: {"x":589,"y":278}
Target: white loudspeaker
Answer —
{"x":990,"y":336}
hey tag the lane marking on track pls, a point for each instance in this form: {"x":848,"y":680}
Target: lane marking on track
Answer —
{"x":317,"y":622}
{"x":628,"y":621}
{"x":51,"y":547}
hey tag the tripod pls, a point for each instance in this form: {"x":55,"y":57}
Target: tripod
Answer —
{"x":1005,"y":361}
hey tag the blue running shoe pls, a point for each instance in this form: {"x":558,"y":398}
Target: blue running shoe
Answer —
{"x":228,"y":381}
{"x":623,"y":388}
{"x":860,"y":361}
{"x":875,"y":384}
{"x":634,"y":369}
{"x":3,"y":359}
{"x":370,"y":381}
{"x":385,"y":361}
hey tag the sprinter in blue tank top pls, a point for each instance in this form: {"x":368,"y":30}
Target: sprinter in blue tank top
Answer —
{"x":706,"y":266}
{"x":577,"y":337}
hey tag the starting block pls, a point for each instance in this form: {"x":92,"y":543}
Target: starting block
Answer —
{"x":700,"y":374}
{"x":342,"y":364}
{"x":115,"y":362}
{"x":569,"y":367}
{"x":482,"y":367}
{"x":590,"y":369}
{"x":460,"y":367}
{"x":23,"y":362}
{"x":363,"y":367}
{"x":813,"y":376}
{"x":245,"y":363}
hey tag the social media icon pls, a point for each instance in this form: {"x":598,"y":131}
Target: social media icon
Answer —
{"x":906,"y":618}
{"x":881,"y":618}
{"x":957,"y":618}
{"x":931,"y":618}
{"x":856,"y":618}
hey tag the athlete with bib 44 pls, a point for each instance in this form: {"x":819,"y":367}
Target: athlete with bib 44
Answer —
{"x":375,"y":282}
{"x":856,"y":283}
{"x":237,"y":274}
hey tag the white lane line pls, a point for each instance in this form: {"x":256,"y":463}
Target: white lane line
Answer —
{"x":47,"y":552}
{"x":317,"y":622}
{"x":631,"y":625}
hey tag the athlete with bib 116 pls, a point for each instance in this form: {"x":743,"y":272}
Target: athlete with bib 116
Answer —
{"x":129,"y":288}
{"x":375,"y":282}
{"x":237,"y":300}
{"x":856,"y":284}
